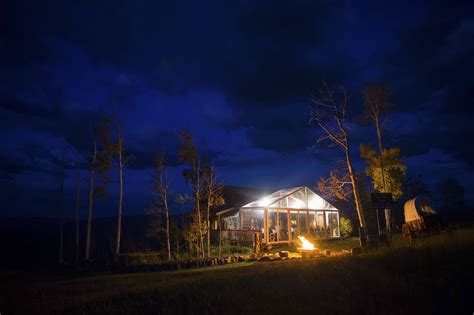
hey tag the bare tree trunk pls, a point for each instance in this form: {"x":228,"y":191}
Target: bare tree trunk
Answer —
{"x":208,"y":205}
{"x":355,"y":190}
{"x":200,"y":220}
{"x":61,"y":214}
{"x":201,"y":240}
{"x":91,"y":198}
{"x":167,"y":214}
{"x":78,"y":196}
{"x":379,"y":140}
{"x":376,"y":104}
{"x":214,"y":198}
{"x":330,"y":115}
{"x":184,"y":229}
{"x":198,"y":209}
{"x":184,"y":225}
{"x":164,"y":197}
{"x":162,"y":189}
{"x":208,"y":225}
{"x":119,"y":215}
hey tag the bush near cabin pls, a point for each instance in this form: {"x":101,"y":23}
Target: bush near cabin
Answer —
{"x":346,"y":227}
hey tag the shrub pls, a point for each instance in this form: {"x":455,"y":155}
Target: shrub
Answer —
{"x":346,"y":227}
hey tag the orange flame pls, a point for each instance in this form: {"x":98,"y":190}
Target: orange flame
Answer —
{"x":306,"y":244}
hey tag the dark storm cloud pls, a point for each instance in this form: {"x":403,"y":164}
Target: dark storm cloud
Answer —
{"x":258,"y":53}
{"x":25,"y":109}
{"x":252,"y":53}
{"x":75,"y":125}
{"x":436,"y":54}
{"x":431,"y":73}
{"x":446,"y":131}
{"x":20,"y":34}
{"x":31,"y":157}
{"x":65,"y":65}
{"x":282,"y":128}
{"x":276,"y":45}
{"x":281,"y":140}
{"x":249,"y":51}
{"x":14,"y":165}
{"x":143,"y":151}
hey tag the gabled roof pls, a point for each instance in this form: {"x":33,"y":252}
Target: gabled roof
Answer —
{"x":235,"y":197}
{"x":292,"y":198}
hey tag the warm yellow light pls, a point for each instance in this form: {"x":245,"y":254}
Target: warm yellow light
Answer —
{"x":316,"y":203}
{"x":306,"y":244}
{"x":296,"y":203}
{"x":265,"y":202}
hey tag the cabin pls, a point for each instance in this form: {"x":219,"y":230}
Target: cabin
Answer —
{"x":279,"y":217}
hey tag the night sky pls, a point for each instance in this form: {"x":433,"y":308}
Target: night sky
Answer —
{"x":238,"y":76}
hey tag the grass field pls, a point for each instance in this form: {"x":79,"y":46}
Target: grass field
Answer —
{"x":434,"y":276}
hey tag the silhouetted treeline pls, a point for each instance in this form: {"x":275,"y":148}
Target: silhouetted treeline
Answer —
{"x":31,"y":243}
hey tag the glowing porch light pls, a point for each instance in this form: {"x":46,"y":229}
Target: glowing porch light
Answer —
{"x":265,"y":201}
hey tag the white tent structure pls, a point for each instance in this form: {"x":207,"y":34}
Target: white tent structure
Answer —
{"x":417,"y":208}
{"x":283,"y":215}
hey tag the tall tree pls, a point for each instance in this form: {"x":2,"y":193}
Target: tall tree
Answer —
{"x":188,"y":154}
{"x":376,"y":106}
{"x":78,"y":202}
{"x":337,"y":185}
{"x":119,"y":152}
{"x":92,"y":169}
{"x":182,"y":200}
{"x":214,"y":198}
{"x":154,"y":229}
{"x":191,"y":234}
{"x":100,"y":164}
{"x":62,"y":165}
{"x":329,"y":113}
{"x":392,"y":179}
{"x":162,"y":195}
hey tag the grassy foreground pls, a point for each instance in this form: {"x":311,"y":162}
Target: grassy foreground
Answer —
{"x":435,"y":276}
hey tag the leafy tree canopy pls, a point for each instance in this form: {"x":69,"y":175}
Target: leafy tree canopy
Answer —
{"x":394,"y":170}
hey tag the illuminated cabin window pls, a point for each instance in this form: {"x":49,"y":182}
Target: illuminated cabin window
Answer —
{"x":332,"y":219}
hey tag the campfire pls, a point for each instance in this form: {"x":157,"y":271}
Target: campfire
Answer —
{"x":307,"y":245}
{"x":307,"y":248}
